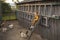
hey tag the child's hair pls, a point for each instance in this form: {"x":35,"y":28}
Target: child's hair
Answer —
{"x":36,"y":13}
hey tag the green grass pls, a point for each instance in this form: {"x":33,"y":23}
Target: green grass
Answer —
{"x":12,"y":17}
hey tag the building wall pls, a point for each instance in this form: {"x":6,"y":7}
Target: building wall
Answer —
{"x":42,"y":0}
{"x":35,"y":0}
{"x":49,"y":30}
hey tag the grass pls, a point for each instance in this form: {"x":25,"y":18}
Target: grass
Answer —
{"x":12,"y":17}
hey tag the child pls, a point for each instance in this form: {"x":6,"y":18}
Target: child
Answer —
{"x":36,"y":17}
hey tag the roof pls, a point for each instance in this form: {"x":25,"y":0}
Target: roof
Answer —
{"x":23,"y":2}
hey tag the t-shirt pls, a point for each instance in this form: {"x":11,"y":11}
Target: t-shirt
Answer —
{"x":36,"y":17}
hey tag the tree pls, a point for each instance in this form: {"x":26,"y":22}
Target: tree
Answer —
{"x":6,"y":8}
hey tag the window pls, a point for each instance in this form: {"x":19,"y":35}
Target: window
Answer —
{"x":42,"y":10}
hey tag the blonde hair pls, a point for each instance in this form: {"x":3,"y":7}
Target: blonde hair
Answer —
{"x":36,"y":13}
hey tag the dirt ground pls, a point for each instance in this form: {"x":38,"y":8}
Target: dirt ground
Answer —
{"x":14,"y":34}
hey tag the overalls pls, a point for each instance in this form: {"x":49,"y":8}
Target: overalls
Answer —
{"x":35,"y":20}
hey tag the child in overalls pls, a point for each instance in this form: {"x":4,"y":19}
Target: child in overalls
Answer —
{"x":36,"y":17}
